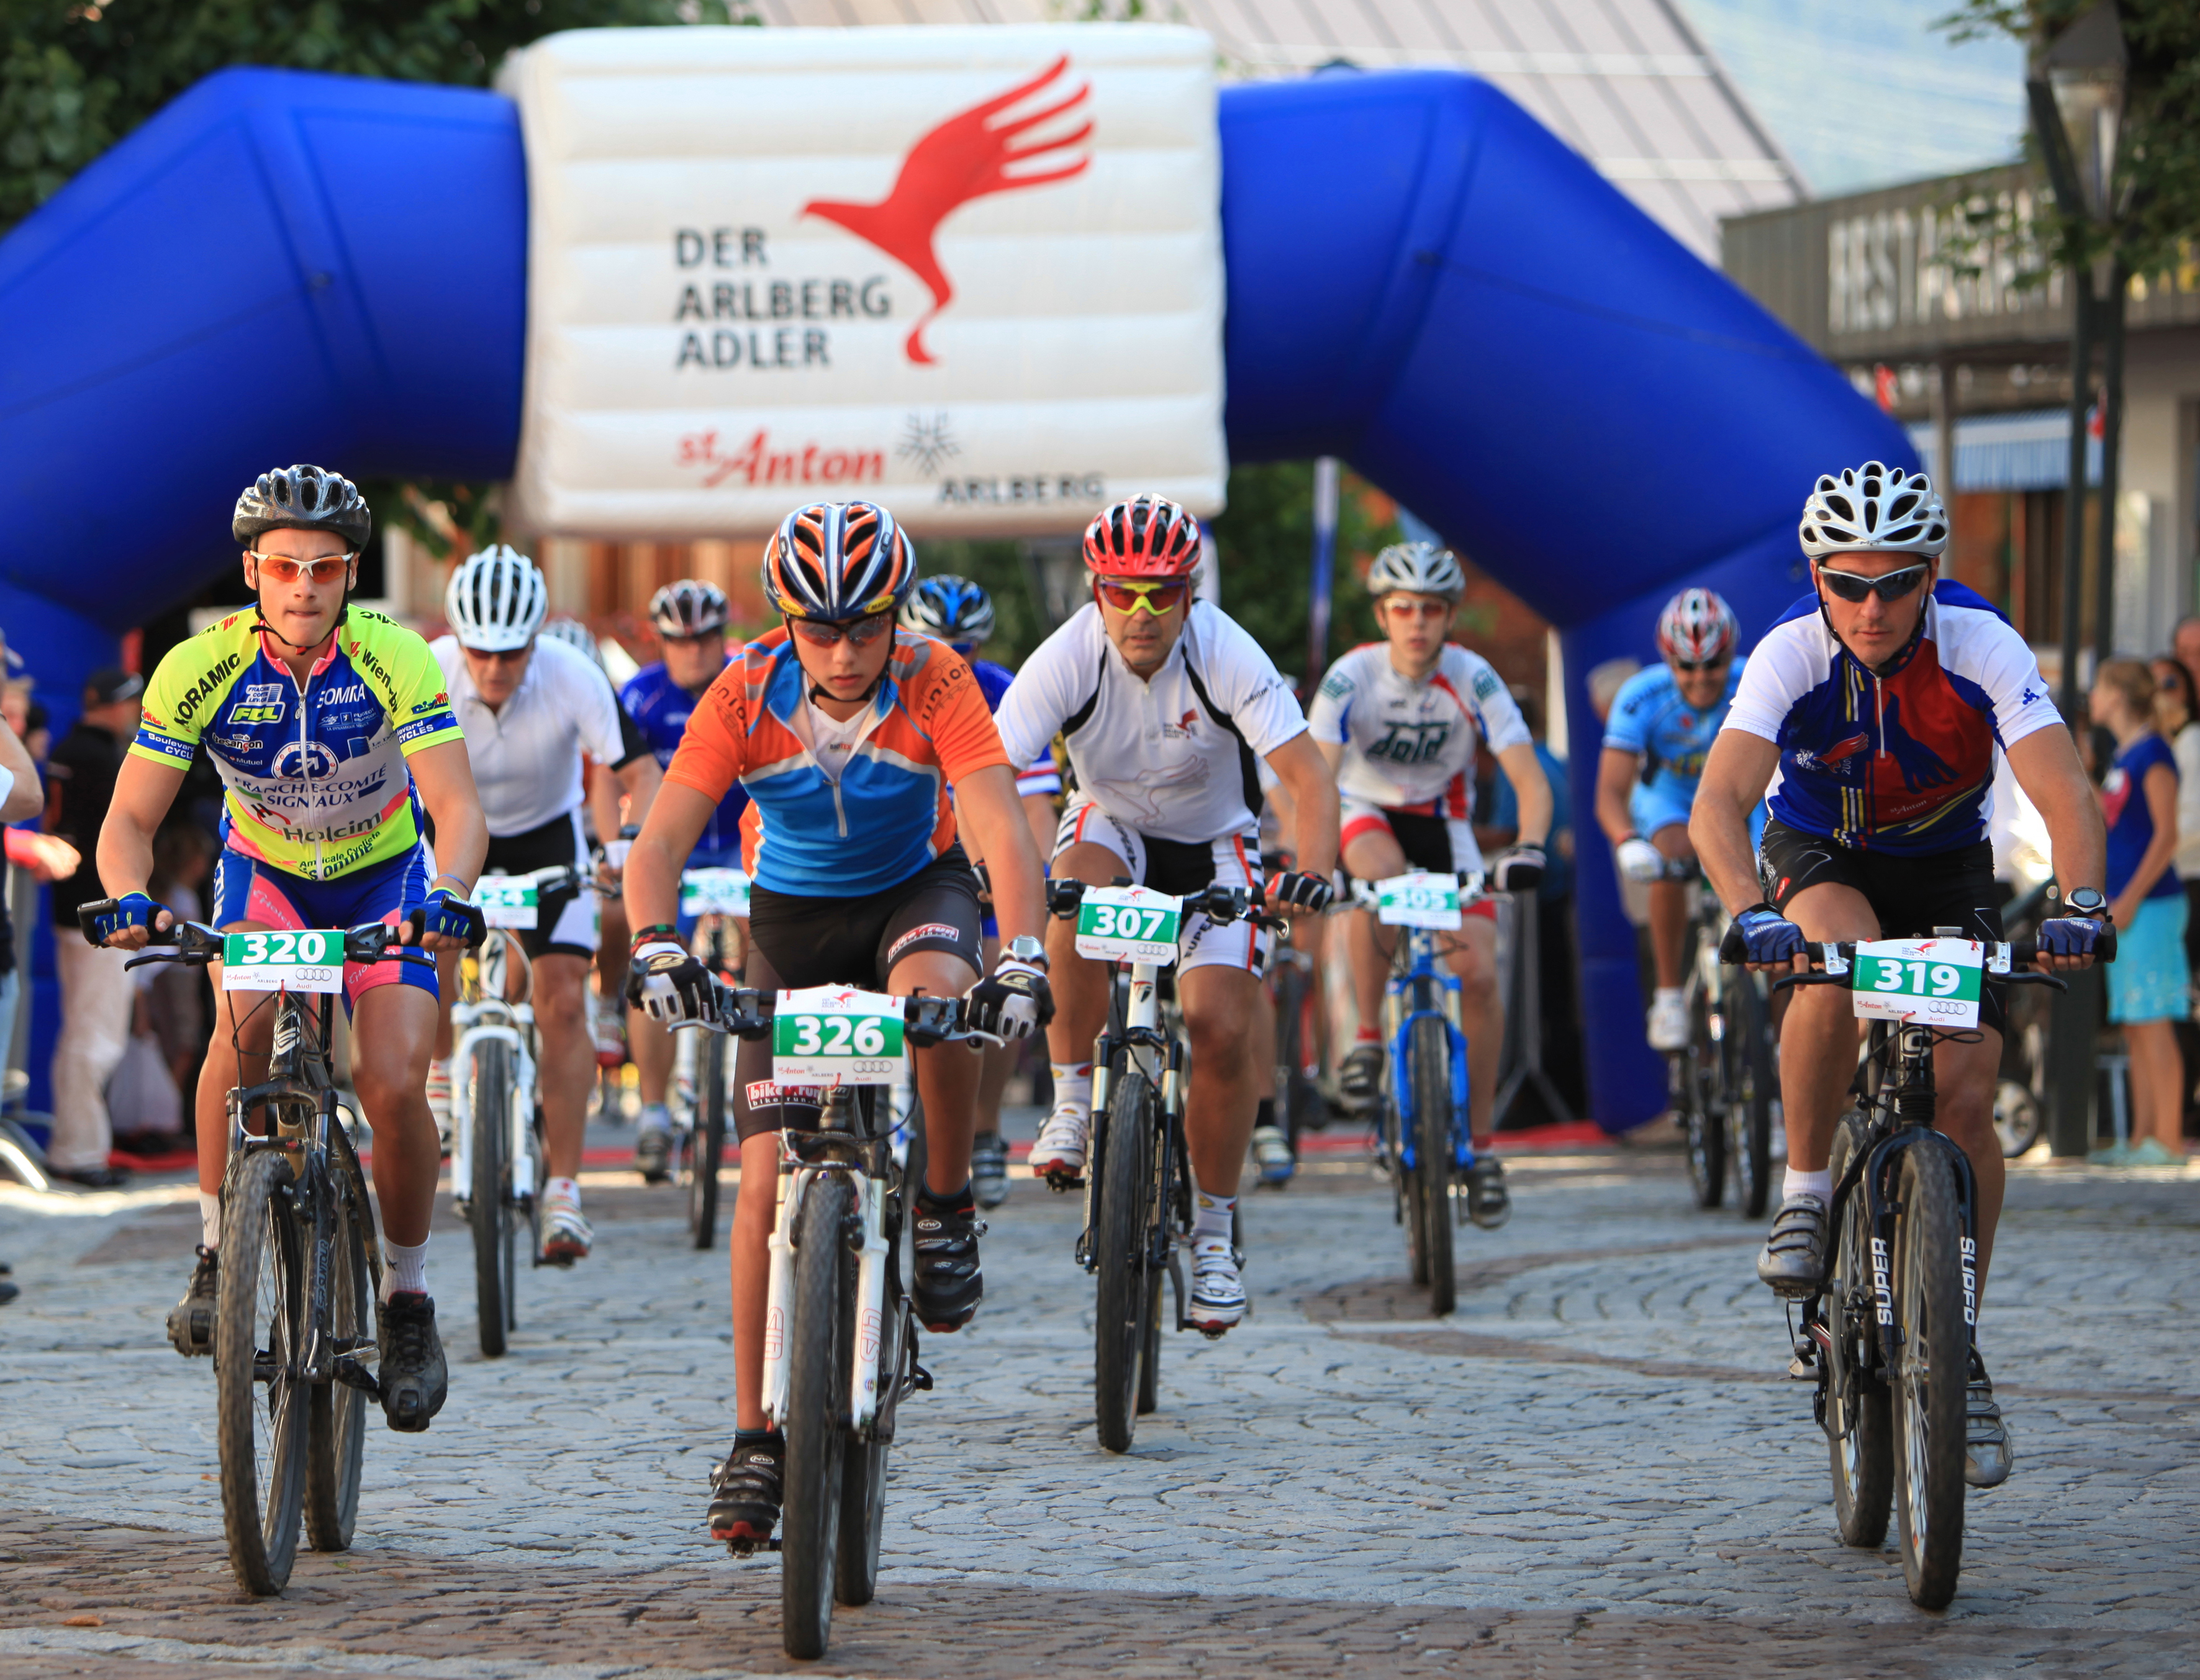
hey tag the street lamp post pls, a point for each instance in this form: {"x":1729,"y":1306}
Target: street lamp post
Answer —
{"x":2076,"y":90}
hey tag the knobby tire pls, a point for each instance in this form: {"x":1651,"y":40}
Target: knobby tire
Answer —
{"x":1861,"y":1461}
{"x":337,"y":1437}
{"x":1931,"y":1379}
{"x":1430,"y":1060}
{"x":1751,"y":1086}
{"x":1124,"y":1295}
{"x":261,"y":1426}
{"x":1706,"y":1132}
{"x":863,"y":1469}
{"x":817,"y":1406}
{"x":494,"y":1219}
{"x":708,"y":1146}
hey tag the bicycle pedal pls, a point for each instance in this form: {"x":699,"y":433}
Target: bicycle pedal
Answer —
{"x":352,"y":1374}
{"x":749,"y":1549}
{"x":919,"y":1379}
{"x":1062,"y":1183}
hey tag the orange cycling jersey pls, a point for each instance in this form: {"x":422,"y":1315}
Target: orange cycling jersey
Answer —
{"x":887,"y":814}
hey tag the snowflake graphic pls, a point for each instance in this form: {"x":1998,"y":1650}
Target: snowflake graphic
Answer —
{"x":927,"y":443}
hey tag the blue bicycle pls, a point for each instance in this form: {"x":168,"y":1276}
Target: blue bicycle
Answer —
{"x":1424,"y":1141}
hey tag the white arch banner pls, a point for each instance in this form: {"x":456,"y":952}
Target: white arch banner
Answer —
{"x":975,"y":273}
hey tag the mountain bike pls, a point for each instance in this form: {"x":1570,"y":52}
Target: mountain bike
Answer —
{"x":1888,"y":1338}
{"x":717,"y":897}
{"x":1424,"y":1138}
{"x":840,"y":1350}
{"x":1723,"y":1085}
{"x":300,"y":1265}
{"x":1138,"y":1170}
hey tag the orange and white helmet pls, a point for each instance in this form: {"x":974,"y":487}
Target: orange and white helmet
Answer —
{"x":1147,"y":536}
{"x":838,"y":561}
{"x":1697,"y":628}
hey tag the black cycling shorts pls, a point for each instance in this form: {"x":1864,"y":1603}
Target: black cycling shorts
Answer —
{"x":565,"y":922}
{"x":797,"y":941}
{"x":1911,"y":895}
{"x":1424,"y":840}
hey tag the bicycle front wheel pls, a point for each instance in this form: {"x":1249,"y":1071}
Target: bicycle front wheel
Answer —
{"x":707,"y":1146}
{"x":1751,"y":1086}
{"x":1931,"y":1378}
{"x":338,"y":1438}
{"x":261,"y":1404}
{"x":1859,"y":1431}
{"x":491,"y":1213}
{"x":816,"y":1408}
{"x":1123,"y":1304}
{"x":1430,"y":1061}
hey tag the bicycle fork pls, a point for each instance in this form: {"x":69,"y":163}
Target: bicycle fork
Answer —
{"x":478,"y":1024}
{"x":796,"y":1176}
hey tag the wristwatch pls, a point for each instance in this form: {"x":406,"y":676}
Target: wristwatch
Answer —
{"x":1026,"y":949}
{"x":2086,"y":901}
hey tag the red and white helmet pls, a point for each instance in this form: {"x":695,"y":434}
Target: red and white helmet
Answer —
{"x":1147,"y":536}
{"x":1697,"y":628}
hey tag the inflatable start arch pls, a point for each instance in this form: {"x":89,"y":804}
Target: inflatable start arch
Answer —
{"x":1421,"y":280}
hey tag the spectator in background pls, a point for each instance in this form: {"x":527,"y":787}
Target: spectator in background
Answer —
{"x":2148,"y":983}
{"x":2177,"y":715}
{"x":1605,"y":682}
{"x":98,"y":998}
{"x":2184,"y":645}
{"x":167,"y":1037}
{"x":44,"y":856}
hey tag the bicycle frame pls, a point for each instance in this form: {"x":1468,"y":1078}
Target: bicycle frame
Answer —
{"x":1137,"y":1027}
{"x":1419,"y":989}
{"x":483,"y":1014}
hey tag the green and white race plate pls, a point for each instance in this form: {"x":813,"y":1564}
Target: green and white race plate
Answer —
{"x":714,"y":892}
{"x":283,"y":961}
{"x":1418,"y":899}
{"x":1933,"y":981}
{"x":836,"y":1035}
{"x":506,"y":900}
{"x":1129,"y":924}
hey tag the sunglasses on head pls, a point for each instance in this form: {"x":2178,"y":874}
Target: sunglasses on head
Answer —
{"x":282,"y":569}
{"x":862,"y":633}
{"x":1891,"y":587}
{"x":1128,"y":596}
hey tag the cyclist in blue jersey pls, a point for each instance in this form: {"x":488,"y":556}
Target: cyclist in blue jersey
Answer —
{"x":690,"y":619}
{"x":960,"y":613}
{"x":1873,"y":712}
{"x":1655,"y":742}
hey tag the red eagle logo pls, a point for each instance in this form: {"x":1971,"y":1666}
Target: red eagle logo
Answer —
{"x":965,"y":157}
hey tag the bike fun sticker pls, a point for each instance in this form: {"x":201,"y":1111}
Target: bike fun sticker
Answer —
{"x":1937,"y":981}
{"x":835,"y":1035}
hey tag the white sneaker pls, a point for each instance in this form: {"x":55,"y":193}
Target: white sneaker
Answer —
{"x":1669,"y":1019}
{"x":439,"y":1100}
{"x":1218,"y":1294}
{"x":1058,"y":1156}
{"x":567,"y":1236}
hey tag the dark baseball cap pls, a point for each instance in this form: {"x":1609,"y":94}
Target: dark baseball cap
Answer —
{"x":111,"y":683}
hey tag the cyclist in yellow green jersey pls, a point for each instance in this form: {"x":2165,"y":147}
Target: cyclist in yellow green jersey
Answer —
{"x":333,"y":734}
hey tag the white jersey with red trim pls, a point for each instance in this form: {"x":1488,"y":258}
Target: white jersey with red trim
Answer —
{"x":1174,"y":756}
{"x":1409,"y":744}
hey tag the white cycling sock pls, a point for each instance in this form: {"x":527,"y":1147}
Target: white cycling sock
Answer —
{"x":562,"y":1190}
{"x":1073,"y":1085}
{"x":407,"y":1272}
{"x":654,"y":1116}
{"x":1665,"y":991}
{"x":1819,"y":1184}
{"x":210,"y":1220}
{"x":1211,"y":1217}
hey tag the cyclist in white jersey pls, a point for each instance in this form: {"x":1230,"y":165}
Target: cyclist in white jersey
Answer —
{"x":1165,"y":706}
{"x":1398,"y":719}
{"x":530,"y":706}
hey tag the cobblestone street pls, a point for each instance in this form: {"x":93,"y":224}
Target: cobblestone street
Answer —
{"x":1597,"y":1466}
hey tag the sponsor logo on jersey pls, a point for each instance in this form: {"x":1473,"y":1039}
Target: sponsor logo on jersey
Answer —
{"x":438,"y":703}
{"x":1336,"y":685}
{"x":1486,"y":683}
{"x":205,"y":687}
{"x":263,"y":693}
{"x":303,"y":759}
{"x":257,"y":714}
{"x":1411,"y":743}
{"x":351,"y":694}
{"x":1839,"y":753}
{"x":237,"y":744}
{"x":1181,"y":729}
{"x":924,"y":930}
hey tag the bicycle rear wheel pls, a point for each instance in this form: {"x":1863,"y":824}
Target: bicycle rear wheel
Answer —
{"x":1931,"y":1378}
{"x":1430,"y":1061}
{"x":1859,"y":1429}
{"x":490,"y":1213}
{"x":1692,"y":1083}
{"x":817,"y":1407}
{"x":259,"y":1339}
{"x":1751,"y":1086}
{"x":338,"y":1437}
{"x":1121,"y":1306}
{"x":707,"y":1144}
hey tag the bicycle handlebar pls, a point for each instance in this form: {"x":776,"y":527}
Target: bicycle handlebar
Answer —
{"x":2009,"y":963}
{"x":1363,"y":894}
{"x":1217,"y":903}
{"x":746,"y":1013}
{"x":194,"y":944}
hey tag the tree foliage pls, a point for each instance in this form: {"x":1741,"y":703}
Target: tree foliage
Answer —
{"x":75,"y":78}
{"x":2157,"y":176}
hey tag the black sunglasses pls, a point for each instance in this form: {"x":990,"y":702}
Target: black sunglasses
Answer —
{"x":1690,"y":667}
{"x":1891,"y":587}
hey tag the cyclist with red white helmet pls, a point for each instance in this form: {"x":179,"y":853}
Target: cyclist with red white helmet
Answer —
{"x":849,"y":737}
{"x":1662,"y":724}
{"x":1165,"y":706}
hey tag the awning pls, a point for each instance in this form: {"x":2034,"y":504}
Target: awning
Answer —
{"x":2009,"y":452}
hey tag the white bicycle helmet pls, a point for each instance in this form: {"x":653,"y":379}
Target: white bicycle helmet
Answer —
{"x":1419,"y":568}
{"x":1697,"y":628}
{"x":689,"y":607}
{"x":1874,"y":509}
{"x":495,"y":600}
{"x":574,"y":634}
